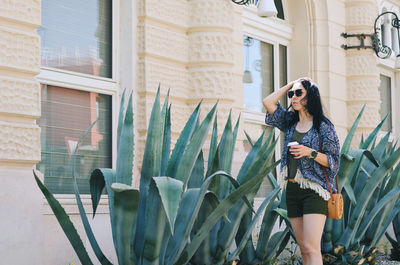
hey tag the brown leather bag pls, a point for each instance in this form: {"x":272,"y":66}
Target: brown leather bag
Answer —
{"x":335,"y":203}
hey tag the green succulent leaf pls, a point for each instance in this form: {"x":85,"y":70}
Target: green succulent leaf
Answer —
{"x":213,"y":145}
{"x":349,"y":137}
{"x":371,"y":138}
{"x":120,"y":118}
{"x":225,"y":205}
{"x":125,"y":148}
{"x":197,"y":177}
{"x":65,"y":223}
{"x":151,"y":166}
{"x":249,"y":138}
{"x":182,"y":143}
{"x":267,"y":224}
{"x":266,"y":205}
{"x":364,"y":198}
{"x":89,"y":232}
{"x":98,"y":179}
{"x":170,"y":191}
{"x":193,"y":149}
{"x":126,"y":205}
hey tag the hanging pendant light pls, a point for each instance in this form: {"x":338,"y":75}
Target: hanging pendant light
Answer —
{"x":266,"y":8}
{"x":247,"y":77}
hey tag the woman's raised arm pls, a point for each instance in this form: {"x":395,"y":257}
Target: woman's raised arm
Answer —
{"x":270,"y":102}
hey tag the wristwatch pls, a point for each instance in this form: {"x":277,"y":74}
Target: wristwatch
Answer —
{"x":313,"y":154}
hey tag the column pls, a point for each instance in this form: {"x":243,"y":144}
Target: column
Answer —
{"x":362,"y":71}
{"x":21,"y":201}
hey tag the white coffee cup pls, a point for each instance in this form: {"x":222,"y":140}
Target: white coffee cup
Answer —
{"x":293,"y":143}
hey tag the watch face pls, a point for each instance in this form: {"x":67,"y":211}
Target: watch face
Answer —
{"x":314,"y":154}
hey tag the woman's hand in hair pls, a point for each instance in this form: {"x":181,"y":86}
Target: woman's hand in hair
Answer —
{"x":304,"y":78}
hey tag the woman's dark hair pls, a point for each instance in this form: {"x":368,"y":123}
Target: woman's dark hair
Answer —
{"x":314,"y":105}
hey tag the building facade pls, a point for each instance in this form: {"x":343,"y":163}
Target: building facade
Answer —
{"x":65,"y":64}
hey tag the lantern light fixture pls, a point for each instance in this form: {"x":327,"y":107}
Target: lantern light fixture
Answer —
{"x":379,"y":45}
{"x":266,"y":8}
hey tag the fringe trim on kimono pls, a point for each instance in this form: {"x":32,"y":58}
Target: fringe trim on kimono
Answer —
{"x":304,"y":183}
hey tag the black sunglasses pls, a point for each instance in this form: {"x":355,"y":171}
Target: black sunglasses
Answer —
{"x":298,"y":93}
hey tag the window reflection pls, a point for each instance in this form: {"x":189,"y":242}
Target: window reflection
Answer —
{"x":259,"y":60}
{"x":77,"y":36}
{"x":66,"y":114}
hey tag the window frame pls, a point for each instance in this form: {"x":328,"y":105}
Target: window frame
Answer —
{"x":390,"y":72}
{"x":90,"y":83}
{"x":274,"y":31}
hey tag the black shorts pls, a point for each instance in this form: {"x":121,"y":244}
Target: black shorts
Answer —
{"x":304,"y":201}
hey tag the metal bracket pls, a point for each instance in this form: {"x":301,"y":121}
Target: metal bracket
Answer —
{"x":361,"y":37}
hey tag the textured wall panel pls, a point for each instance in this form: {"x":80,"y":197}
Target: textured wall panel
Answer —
{"x":19,"y":142}
{"x":19,"y":96}
{"x":168,"y":76}
{"x":163,"y":42}
{"x":213,"y":83}
{"x":211,"y":47}
{"x":361,"y":65}
{"x":362,"y":89}
{"x":163,"y":10}
{"x":211,"y":13}
{"x":19,"y":50}
{"x":370,"y":117}
{"x":27,"y":11}
{"x":361,"y":15}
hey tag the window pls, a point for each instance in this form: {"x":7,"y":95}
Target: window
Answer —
{"x":258,"y":78}
{"x":265,"y":57}
{"x":76,"y":36}
{"x":66,"y":113}
{"x":386,"y":101}
{"x":77,"y":88}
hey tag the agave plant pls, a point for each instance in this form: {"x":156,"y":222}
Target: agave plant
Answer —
{"x":395,"y":242}
{"x":369,"y":180}
{"x":240,"y":221}
{"x":179,"y":214}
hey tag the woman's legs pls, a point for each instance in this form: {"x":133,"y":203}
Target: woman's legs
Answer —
{"x":308,"y":232}
{"x":297,"y":226}
{"x":313,"y":227}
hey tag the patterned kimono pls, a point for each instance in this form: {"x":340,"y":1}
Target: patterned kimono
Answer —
{"x":309,"y":173}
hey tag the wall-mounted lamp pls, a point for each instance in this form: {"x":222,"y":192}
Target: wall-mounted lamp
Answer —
{"x":266,"y":8}
{"x":381,"y":30}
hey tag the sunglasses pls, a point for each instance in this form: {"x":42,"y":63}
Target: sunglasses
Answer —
{"x":298,"y":93}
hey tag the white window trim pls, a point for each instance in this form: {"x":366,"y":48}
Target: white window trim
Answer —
{"x":274,"y":31}
{"x":389,"y":71}
{"x":90,"y":83}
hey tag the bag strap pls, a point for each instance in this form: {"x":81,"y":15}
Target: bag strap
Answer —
{"x":323,"y":168}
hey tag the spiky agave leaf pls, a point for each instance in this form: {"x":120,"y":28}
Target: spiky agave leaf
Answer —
{"x":89,"y":232}
{"x":126,"y":205}
{"x":65,"y":223}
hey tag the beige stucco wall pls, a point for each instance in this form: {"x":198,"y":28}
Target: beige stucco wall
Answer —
{"x":192,"y":48}
{"x":20,"y":201}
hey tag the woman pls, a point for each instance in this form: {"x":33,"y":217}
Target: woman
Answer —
{"x":307,"y":191}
